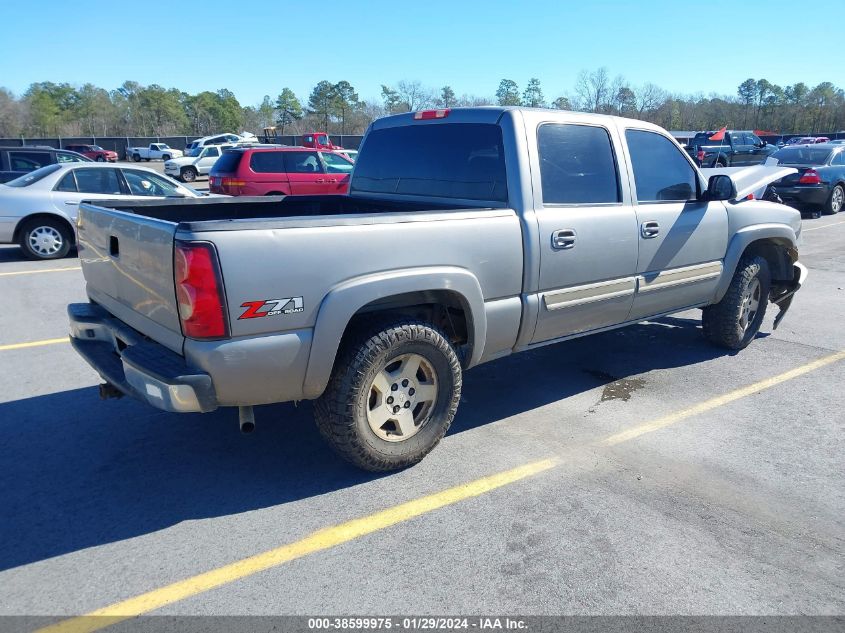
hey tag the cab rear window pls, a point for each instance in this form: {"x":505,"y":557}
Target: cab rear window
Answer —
{"x":451,"y":160}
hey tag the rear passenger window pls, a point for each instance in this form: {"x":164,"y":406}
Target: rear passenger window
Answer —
{"x":577,"y":165}
{"x":661,"y":172}
{"x":97,"y":181}
{"x":302,"y":163}
{"x":68,"y":183}
{"x":265,"y":162}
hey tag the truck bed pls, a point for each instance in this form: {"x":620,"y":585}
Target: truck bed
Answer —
{"x":194,"y":213}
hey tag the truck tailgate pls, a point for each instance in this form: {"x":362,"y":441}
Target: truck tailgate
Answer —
{"x":127,"y":261}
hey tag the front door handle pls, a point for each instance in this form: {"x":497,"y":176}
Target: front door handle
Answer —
{"x":71,"y":202}
{"x":649,"y":229}
{"x":320,"y":180}
{"x":563,"y":239}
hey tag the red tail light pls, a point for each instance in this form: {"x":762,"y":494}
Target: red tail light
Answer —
{"x":199,"y":291}
{"x":700,"y":156}
{"x":810,"y":177}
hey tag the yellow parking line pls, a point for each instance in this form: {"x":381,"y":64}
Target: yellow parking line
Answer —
{"x":49,"y":341}
{"x":719,"y":401}
{"x":819,"y":228}
{"x":315,"y":542}
{"x":43,"y":270}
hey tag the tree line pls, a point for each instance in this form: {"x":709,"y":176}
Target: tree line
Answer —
{"x":48,"y":109}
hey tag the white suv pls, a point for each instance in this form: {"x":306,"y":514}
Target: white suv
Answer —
{"x":197,"y":162}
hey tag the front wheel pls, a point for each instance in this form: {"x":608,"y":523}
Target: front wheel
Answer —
{"x":165,"y":157}
{"x":101,"y":159}
{"x":736,"y":319}
{"x":189,"y":174}
{"x":391,"y":397}
{"x":45,"y":239}
{"x":136,"y":158}
{"x":835,"y":201}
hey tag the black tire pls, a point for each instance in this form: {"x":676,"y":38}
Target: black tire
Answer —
{"x":720,"y":163}
{"x":165,"y":157}
{"x":33,"y":248}
{"x":835,"y":201}
{"x":342,"y":411}
{"x":188,"y":174}
{"x":136,"y":158}
{"x":101,"y":159}
{"x":724,"y":323}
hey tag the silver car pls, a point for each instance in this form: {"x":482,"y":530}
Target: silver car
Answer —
{"x":38,"y":210}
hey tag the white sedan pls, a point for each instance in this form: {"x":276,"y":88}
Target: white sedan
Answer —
{"x":38,"y":210}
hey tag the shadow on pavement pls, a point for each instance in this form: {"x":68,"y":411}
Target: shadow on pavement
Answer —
{"x":78,"y":472}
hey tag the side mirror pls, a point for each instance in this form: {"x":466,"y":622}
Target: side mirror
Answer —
{"x":721,"y":187}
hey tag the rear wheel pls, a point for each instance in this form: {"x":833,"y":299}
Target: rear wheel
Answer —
{"x":391,"y":397}
{"x":188,"y":174}
{"x":45,"y":239}
{"x":835,"y":201}
{"x":736,"y":319}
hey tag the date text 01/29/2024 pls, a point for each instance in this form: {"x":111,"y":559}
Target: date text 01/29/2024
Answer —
{"x":417,"y":623}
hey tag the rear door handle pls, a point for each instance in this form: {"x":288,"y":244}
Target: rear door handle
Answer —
{"x":563,"y":239}
{"x":649,"y":229}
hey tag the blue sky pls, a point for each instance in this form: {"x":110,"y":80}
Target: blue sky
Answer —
{"x":258,"y":47}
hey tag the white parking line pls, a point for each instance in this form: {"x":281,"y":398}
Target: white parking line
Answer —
{"x":818,"y":228}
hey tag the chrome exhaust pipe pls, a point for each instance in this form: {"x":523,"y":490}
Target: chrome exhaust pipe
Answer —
{"x":246,"y":418}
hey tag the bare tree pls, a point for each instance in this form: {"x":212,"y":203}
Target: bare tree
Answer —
{"x":592,"y":89}
{"x":649,"y":97}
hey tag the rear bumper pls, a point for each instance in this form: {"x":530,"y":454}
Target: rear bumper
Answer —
{"x":803,"y":195}
{"x":136,"y":366}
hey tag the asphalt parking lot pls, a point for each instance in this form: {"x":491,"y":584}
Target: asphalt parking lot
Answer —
{"x":651,"y":479}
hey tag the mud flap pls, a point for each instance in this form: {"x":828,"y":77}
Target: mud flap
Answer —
{"x":785,"y":300}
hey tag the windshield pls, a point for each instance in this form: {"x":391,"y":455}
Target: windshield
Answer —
{"x":195,"y":151}
{"x":802,"y":156}
{"x":32,"y":177}
{"x":97,"y":148}
{"x":452,"y":160}
{"x":323,"y":139}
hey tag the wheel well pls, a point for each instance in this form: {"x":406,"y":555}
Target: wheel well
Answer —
{"x":45,"y":216}
{"x":442,"y":308}
{"x":776,"y":253}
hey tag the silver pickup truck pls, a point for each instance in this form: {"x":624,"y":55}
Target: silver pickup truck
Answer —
{"x":467,"y":235}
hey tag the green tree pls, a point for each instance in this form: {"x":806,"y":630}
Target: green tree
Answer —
{"x":322,"y":103}
{"x":94,"y":110}
{"x":288,"y":109}
{"x":533,"y":95}
{"x":392,"y":100}
{"x":345,"y":102}
{"x":447,"y":97}
{"x":508,"y":93}
{"x":50,"y":106}
{"x":561,"y":103}
{"x":747,"y":91}
{"x":626,"y":101}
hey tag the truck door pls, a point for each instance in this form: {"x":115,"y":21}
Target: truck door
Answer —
{"x":682,"y":240}
{"x":207,"y":160}
{"x":742,"y":149}
{"x":305,"y":173}
{"x":588,"y":230}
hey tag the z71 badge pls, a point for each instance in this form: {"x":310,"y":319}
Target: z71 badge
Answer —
{"x":271,"y":307}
